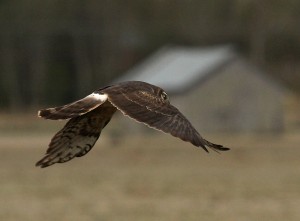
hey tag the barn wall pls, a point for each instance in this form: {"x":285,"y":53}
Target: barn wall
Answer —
{"x":237,"y":99}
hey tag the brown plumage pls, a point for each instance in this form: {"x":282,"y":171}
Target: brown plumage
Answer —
{"x":140,"y":101}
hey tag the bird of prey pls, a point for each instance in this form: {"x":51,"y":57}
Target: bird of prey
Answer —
{"x":138,"y":100}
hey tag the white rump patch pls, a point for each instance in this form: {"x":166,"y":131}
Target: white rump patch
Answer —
{"x":39,"y":113}
{"x":100,"y":97}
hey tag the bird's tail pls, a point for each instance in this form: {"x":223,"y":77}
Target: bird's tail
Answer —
{"x":74,"y":109}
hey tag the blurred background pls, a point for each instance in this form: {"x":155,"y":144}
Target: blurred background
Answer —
{"x":231,"y":66}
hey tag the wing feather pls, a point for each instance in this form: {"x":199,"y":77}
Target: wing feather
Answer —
{"x":161,"y":116}
{"x":78,"y":136}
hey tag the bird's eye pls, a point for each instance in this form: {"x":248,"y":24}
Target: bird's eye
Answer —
{"x":164,"y":95}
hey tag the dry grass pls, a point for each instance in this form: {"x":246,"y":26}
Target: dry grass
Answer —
{"x":153,"y":178}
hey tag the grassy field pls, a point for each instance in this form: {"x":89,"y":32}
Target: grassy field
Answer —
{"x":152,"y":178}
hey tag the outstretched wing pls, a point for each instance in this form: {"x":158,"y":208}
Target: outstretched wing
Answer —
{"x":74,"y":109}
{"x":158,"y":113}
{"x":77,"y":137}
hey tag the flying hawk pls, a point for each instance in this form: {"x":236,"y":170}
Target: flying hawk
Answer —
{"x":138,"y":100}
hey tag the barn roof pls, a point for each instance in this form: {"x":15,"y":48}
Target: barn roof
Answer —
{"x":178,"y":68}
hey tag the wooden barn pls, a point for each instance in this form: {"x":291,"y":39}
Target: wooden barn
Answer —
{"x":217,"y":89}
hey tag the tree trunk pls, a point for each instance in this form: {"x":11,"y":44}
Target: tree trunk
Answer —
{"x":82,"y":65}
{"x":38,"y":66}
{"x":9,"y":78}
{"x":258,"y":32}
